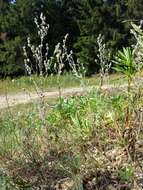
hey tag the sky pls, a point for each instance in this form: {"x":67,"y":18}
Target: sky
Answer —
{"x":13,"y":1}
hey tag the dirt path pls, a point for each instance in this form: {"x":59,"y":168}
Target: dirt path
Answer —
{"x":26,"y":97}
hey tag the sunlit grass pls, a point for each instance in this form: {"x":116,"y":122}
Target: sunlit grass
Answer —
{"x":51,"y":83}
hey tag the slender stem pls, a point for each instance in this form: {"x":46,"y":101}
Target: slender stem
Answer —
{"x":101,"y":80}
{"x":128,"y":106}
{"x":59,"y":87}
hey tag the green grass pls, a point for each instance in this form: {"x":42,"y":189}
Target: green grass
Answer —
{"x":50,"y":102}
{"x":51,"y":83}
{"x":28,"y":83}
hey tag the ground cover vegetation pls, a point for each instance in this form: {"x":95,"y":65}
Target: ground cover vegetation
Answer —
{"x":92,"y":141}
{"x":50,"y":83}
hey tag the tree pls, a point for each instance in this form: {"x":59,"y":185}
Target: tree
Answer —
{"x":17,"y":21}
{"x":84,"y":20}
{"x":98,"y":17}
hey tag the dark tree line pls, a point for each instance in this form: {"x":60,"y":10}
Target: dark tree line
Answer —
{"x":84,"y":20}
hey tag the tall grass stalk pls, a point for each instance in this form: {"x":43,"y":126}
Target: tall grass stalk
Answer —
{"x":103,"y":59}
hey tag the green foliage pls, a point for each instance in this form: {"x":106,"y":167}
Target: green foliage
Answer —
{"x":72,"y":114}
{"x":83,"y":20}
{"x":126,"y":173}
{"x":81,"y":138}
{"x":5,"y":183}
{"x":11,"y":59}
{"x":124,"y":62}
{"x":70,"y":139}
{"x":100,"y":18}
{"x":17,"y":20}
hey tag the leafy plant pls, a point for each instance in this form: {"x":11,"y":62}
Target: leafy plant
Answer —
{"x":126,"y":173}
{"x":124,"y":63}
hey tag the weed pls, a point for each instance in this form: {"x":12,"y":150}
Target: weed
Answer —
{"x":126,"y":173}
{"x":104,"y":59}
